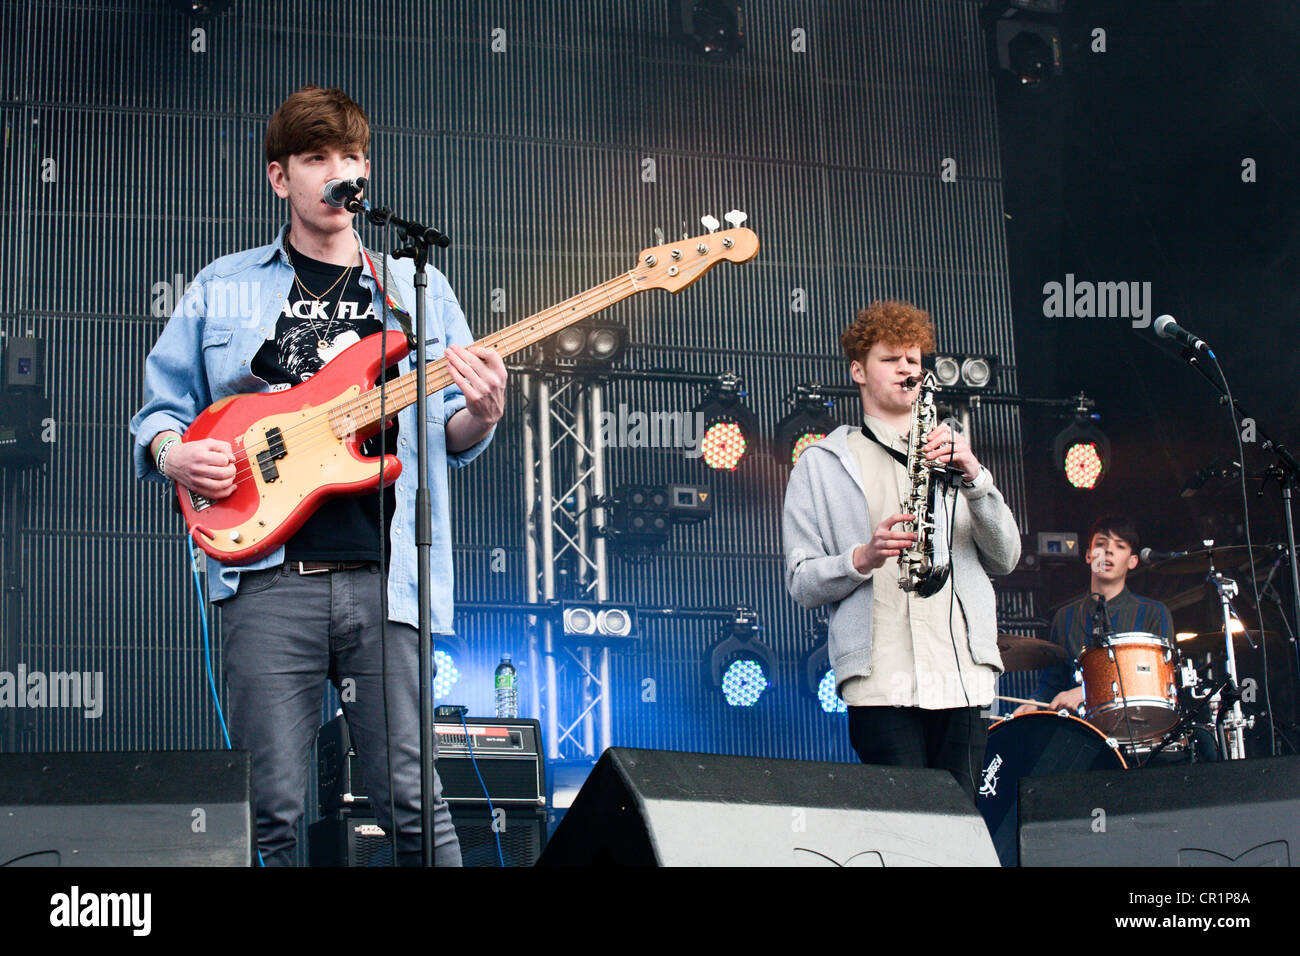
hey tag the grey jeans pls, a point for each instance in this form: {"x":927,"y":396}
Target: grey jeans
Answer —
{"x":283,"y":635}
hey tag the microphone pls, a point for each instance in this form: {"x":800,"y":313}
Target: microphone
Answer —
{"x":1151,"y":556}
{"x":1167,"y":328}
{"x":337,"y":192}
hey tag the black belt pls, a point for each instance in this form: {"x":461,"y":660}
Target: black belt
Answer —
{"x":324,"y":567}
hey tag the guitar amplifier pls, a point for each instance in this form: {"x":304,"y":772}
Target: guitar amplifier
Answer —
{"x":355,"y":839}
{"x":508,"y":751}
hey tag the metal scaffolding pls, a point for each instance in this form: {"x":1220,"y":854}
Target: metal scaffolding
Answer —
{"x":564,"y":483}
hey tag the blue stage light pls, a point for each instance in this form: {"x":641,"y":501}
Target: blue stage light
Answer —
{"x":447,"y":673}
{"x":830,"y":701}
{"x":743,"y":682}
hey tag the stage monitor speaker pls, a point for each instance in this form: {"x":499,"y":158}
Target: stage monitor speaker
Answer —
{"x":128,"y":808}
{"x":656,"y":807}
{"x":1231,"y":813}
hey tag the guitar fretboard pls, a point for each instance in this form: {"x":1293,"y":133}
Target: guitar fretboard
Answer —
{"x":363,"y":411}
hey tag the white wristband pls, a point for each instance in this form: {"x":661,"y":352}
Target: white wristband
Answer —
{"x":163,"y":451}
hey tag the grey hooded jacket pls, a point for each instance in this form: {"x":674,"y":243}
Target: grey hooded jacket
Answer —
{"x":826,"y":518}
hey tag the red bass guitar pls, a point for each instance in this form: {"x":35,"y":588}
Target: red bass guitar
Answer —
{"x":298,"y":447}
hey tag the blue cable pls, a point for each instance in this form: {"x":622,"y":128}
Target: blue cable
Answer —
{"x":492,"y":814}
{"x":207,"y":653}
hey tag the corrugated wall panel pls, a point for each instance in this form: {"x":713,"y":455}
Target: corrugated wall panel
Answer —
{"x":551,"y":160}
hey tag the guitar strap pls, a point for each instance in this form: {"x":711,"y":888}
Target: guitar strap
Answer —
{"x":897,"y":455}
{"x":394,"y":301}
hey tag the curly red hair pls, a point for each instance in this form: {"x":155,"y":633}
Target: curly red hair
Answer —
{"x":890,"y":320}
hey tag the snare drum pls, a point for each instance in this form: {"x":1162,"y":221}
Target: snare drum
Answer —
{"x":1032,"y":744}
{"x":1130,"y":687}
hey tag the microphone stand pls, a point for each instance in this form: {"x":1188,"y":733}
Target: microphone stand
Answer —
{"x":1287,"y":471}
{"x":417,"y":239}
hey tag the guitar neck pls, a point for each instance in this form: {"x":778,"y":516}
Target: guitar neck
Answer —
{"x":363,"y":411}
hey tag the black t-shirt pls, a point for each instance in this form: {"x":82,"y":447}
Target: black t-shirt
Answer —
{"x":308,"y":333}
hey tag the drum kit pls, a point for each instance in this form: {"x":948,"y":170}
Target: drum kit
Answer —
{"x":1142,"y":696}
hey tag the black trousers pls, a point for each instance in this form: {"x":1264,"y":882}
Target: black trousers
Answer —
{"x":951,"y":740}
{"x":285,"y":634}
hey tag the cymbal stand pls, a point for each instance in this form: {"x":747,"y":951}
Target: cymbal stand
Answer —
{"x":1235,"y":723}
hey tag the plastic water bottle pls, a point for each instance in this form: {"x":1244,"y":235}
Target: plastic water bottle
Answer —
{"x":507,"y":681}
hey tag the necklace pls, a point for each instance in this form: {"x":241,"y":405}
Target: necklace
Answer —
{"x":323,"y":347}
{"x":306,"y":291}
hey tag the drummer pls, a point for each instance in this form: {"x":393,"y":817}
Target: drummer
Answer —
{"x":1111,"y":554}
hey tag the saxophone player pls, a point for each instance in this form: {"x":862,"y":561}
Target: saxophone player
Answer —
{"x":914,"y":670}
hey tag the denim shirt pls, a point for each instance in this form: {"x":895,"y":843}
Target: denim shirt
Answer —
{"x":206,"y":351}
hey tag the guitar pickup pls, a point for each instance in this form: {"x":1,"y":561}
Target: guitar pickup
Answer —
{"x":274,"y":449}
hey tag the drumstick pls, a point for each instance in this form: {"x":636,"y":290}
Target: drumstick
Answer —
{"x":1021,"y":700}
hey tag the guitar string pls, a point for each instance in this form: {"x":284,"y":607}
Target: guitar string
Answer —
{"x":406,"y":384}
{"x":309,"y":432}
{"x":564,"y":308}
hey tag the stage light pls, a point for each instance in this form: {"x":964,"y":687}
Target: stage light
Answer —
{"x":818,"y":676}
{"x":947,"y":370}
{"x":587,"y":344}
{"x":975,"y":372}
{"x":1029,"y":51}
{"x":806,"y":423}
{"x":598,"y":620}
{"x":640,"y":516}
{"x":579,"y":621}
{"x":643,"y":515}
{"x":614,"y":622}
{"x":1082,"y":452}
{"x":447,"y":651}
{"x":713,"y":28}
{"x":744,"y":681}
{"x":740,"y":665}
{"x":728,"y":425}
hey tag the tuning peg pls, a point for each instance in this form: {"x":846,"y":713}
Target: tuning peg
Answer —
{"x":735,"y":217}
{"x":710,"y":223}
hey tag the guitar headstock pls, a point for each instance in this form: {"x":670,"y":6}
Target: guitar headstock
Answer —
{"x":675,"y":265}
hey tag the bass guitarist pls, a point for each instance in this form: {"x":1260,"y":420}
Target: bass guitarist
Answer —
{"x":267,"y":319}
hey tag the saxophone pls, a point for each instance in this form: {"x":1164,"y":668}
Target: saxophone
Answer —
{"x":925,"y":566}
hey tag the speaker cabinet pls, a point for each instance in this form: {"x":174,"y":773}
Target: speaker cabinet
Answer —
{"x":654,"y":807}
{"x":1232,"y":813}
{"x":133,"y":808}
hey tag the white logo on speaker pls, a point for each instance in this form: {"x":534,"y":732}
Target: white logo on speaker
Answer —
{"x":990,"y":786}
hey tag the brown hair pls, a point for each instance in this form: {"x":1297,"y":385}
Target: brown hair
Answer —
{"x":892,"y":321}
{"x":315,"y":118}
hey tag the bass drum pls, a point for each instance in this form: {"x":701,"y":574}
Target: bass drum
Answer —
{"x":1031,"y":745}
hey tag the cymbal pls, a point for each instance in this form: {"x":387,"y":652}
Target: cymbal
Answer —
{"x":1211,"y":642}
{"x":1028,"y":653}
{"x":1226,"y":556}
